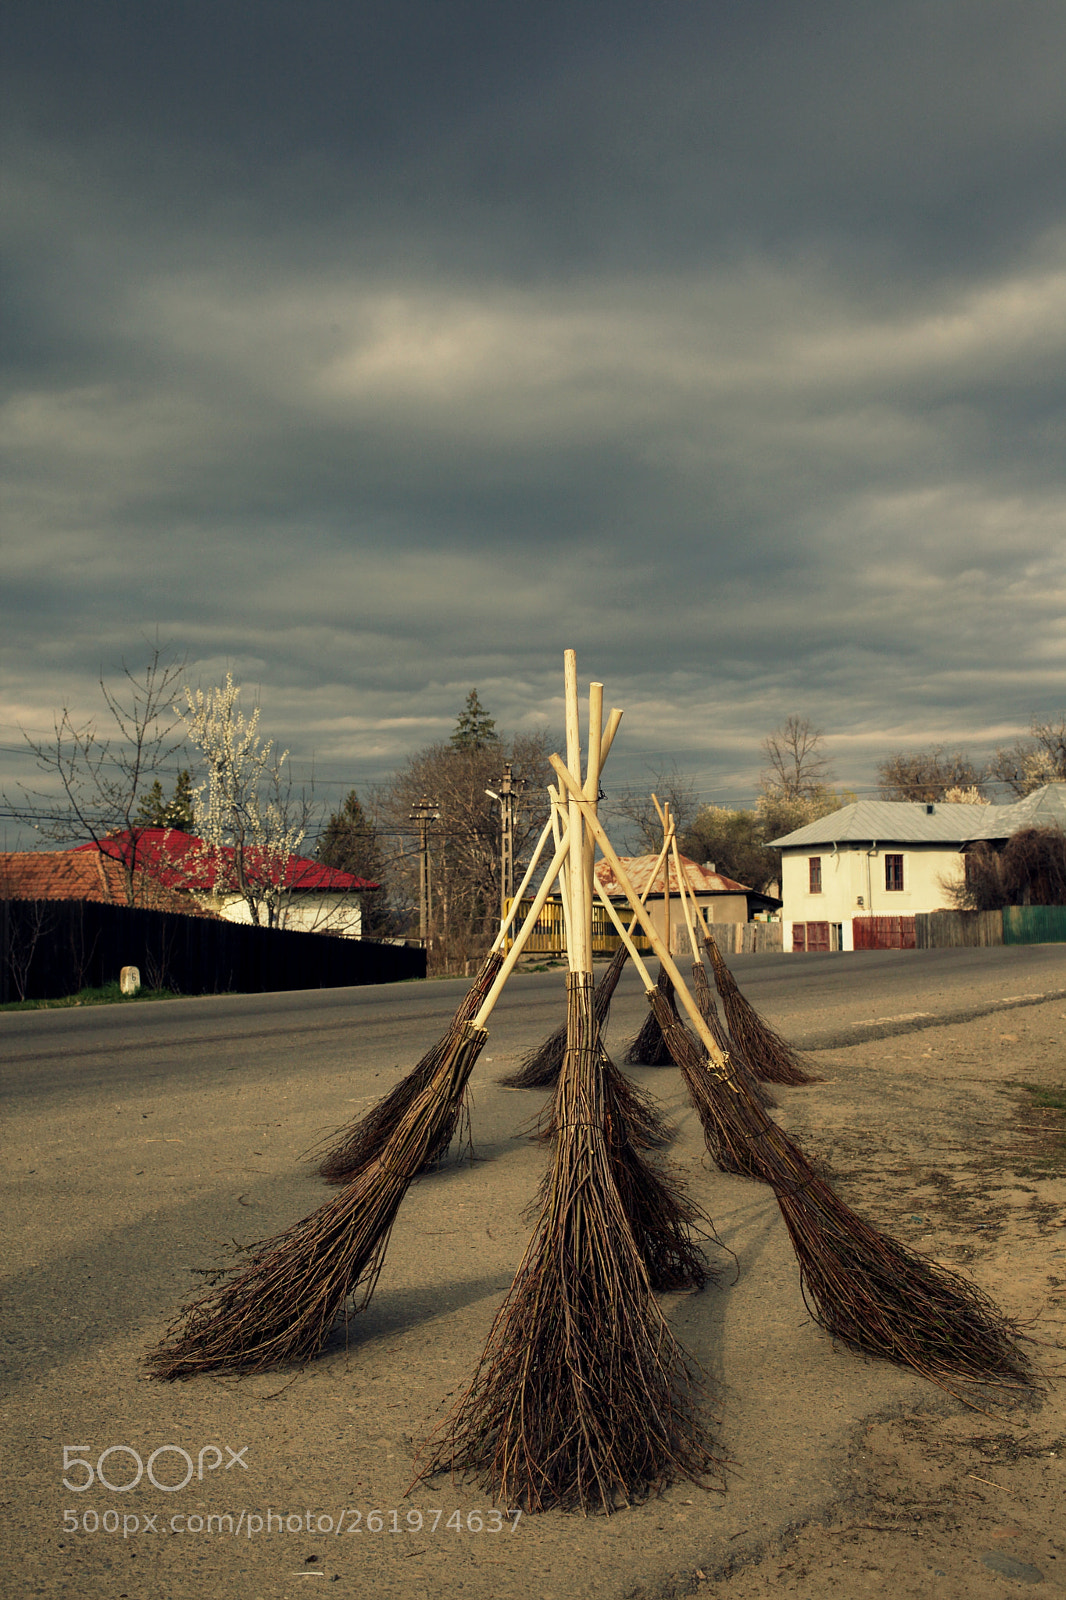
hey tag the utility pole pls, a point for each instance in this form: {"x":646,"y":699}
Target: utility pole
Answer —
{"x":425,"y":812}
{"x":507,"y":798}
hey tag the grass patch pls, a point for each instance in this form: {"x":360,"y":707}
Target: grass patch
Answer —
{"x":108,"y":994}
{"x":1050,"y":1098}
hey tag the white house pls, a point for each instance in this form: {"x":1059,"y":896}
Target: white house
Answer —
{"x":315,"y":898}
{"x":856,"y":878}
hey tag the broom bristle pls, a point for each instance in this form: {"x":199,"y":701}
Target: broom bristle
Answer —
{"x":582,"y":1398}
{"x":665,"y":1222}
{"x":361,"y":1142}
{"x":663,"y":1219}
{"x":861,"y":1285}
{"x":540,"y":1069}
{"x":648,"y":1049}
{"x":713,"y":1096}
{"x":709,"y":1012}
{"x":632,"y":1108}
{"x":764,"y":1052}
{"x":279,"y":1303}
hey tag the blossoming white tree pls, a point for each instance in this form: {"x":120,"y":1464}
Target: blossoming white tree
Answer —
{"x":249,"y":820}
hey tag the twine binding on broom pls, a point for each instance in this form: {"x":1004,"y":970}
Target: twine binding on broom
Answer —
{"x":644,"y":1124}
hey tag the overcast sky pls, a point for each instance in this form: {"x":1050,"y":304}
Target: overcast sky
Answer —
{"x":379,"y":351}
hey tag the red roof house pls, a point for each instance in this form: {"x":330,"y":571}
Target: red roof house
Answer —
{"x":174,"y":871}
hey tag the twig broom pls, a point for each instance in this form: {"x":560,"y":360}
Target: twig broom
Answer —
{"x":647,"y":1048}
{"x":701,"y":990}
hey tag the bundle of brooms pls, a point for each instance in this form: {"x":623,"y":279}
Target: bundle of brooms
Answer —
{"x":583,"y":1397}
{"x":279,"y":1302}
{"x":862,"y":1286}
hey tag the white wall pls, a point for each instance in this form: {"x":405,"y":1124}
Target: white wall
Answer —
{"x":316,"y":913}
{"x":855,"y":873}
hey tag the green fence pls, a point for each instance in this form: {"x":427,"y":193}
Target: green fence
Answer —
{"x":1034,"y":924}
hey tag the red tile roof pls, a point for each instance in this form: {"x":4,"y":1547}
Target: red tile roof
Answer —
{"x":639,"y":870}
{"x":181,"y":861}
{"x":72,"y":875}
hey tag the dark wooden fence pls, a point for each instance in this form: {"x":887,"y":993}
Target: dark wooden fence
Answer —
{"x":947,"y":930}
{"x":51,"y":948}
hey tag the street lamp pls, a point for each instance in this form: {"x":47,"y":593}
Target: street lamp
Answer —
{"x":506,"y":798}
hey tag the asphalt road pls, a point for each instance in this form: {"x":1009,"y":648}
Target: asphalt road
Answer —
{"x":818,"y":1001}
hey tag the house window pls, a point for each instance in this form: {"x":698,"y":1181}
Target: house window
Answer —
{"x":814,"y":870}
{"x":893,"y":872}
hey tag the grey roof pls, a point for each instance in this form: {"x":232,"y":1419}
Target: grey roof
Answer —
{"x":1044,"y":808}
{"x":902,"y":822}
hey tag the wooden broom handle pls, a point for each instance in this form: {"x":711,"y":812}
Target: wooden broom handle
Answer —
{"x":651,"y":932}
{"x":578,"y":956}
{"x":625,"y":934}
{"x":523,"y":886}
{"x":686,"y":890}
{"x":525,"y":930}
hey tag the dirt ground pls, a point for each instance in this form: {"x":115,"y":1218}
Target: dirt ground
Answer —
{"x":944,"y":1503}
{"x":847,"y":1478}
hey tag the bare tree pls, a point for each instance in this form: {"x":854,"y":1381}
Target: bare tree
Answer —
{"x":249,"y":817}
{"x":464,"y":839}
{"x":796,"y":763}
{"x":1032,"y":762}
{"x":99,"y":776}
{"x":24,"y":925}
{"x":927,"y":775}
{"x":734,"y":841}
{"x":1028,"y":870}
{"x":670,"y":787}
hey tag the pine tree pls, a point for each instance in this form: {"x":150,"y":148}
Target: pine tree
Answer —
{"x":475,"y":728}
{"x":349,"y":843}
{"x":153,"y":811}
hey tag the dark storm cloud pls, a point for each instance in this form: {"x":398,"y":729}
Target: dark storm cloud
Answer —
{"x":376,"y":352}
